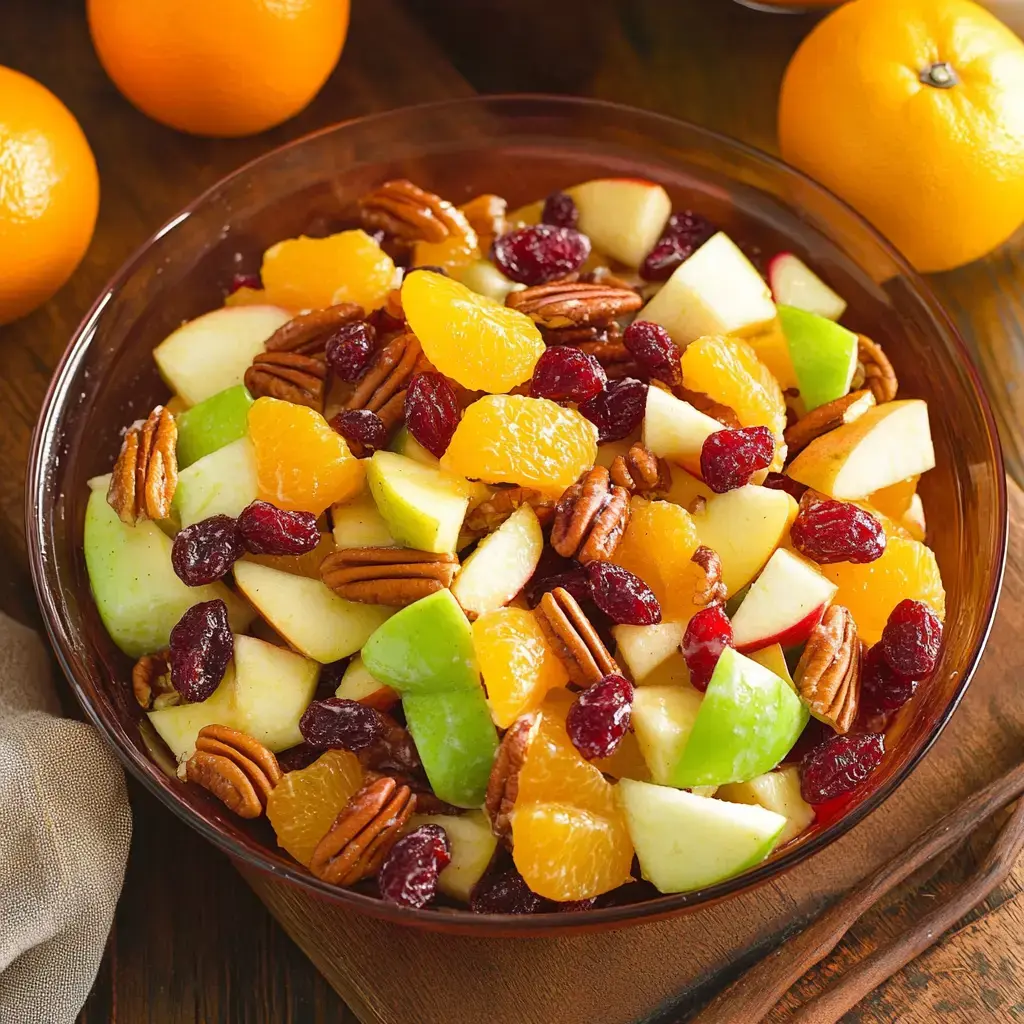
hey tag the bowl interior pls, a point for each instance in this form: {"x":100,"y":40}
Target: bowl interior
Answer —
{"x":522,"y":148}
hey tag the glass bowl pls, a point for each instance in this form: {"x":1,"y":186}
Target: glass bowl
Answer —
{"x":521,"y":147}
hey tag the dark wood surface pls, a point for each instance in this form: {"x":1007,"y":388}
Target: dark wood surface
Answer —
{"x":191,"y":942}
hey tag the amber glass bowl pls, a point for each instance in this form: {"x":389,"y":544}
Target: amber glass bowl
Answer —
{"x":522,"y":148}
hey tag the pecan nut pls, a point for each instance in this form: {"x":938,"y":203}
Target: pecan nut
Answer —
{"x":382,"y":389}
{"x":707,"y":405}
{"x":145,"y":474}
{"x":290,"y":376}
{"x":364,"y":832}
{"x":409,"y":213}
{"x":827,"y":417}
{"x":828,"y":674}
{"x":486,"y":216}
{"x":308,"y":333}
{"x":879,"y":376}
{"x":712,"y":590}
{"x":590,"y":517}
{"x":503,"y":785}
{"x":640,"y":471}
{"x":151,"y":681}
{"x":573,"y":638}
{"x":235,"y":768}
{"x":490,"y":514}
{"x":574,"y":303}
{"x":389,"y":576}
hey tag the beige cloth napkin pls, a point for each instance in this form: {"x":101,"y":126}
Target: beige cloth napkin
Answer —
{"x":65,"y":828}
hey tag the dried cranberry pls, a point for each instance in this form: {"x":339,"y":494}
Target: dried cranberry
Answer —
{"x":339,"y":724}
{"x":623,"y":597}
{"x":361,"y":426}
{"x":294,"y":759}
{"x":684,"y":234}
{"x":350,"y":348}
{"x":560,"y":210}
{"x":840,"y":765}
{"x":836,"y":531}
{"x":269,"y":530}
{"x":540,"y":253}
{"x":729,"y":458}
{"x":881,"y":689}
{"x":781,"y":482}
{"x":408,"y":876}
{"x":431,"y":411}
{"x":575,"y":582}
{"x":205,"y":551}
{"x":911,"y":639}
{"x":201,"y":647}
{"x":566,"y":374}
{"x":599,"y":717}
{"x":506,"y":893}
{"x":707,"y":634}
{"x":573,"y":906}
{"x":656,"y":352}
{"x":617,"y":410}
{"x":245,"y":281}
{"x":383,"y":323}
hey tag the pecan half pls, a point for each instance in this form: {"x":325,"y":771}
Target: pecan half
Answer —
{"x":408,"y":212}
{"x":490,"y":514}
{"x":712,"y":590}
{"x":235,"y":768}
{"x":573,"y":638}
{"x":879,"y":375}
{"x":590,"y":517}
{"x":707,"y":405}
{"x":574,"y":303}
{"x":827,"y":676}
{"x":145,"y":474}
{"x":308,"y":332}
{"x":364,"y":832}
{"x":503,"y":785}
{"x":151,"y":681}
{"x":486,"y":216}
{"x":827,"y":417}
{"x":290,"y":376}
{"x":389,"y":576}
{"x":382,"y":389}
{"x":640,"y":471}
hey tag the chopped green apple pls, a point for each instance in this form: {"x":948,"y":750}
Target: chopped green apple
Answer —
{"x":358,"y":524}
{"x":221,"y":483}
{"x":651,"y":653}
{"x":748,"y":721}
{"x":310,"y":616}
{"x":423,"y":506}
{"x":212,"y":424}
{"x":138,"y":595}
{"x":675,"y":430}
{"x":472,"y":844}
{"x":501,"y":565}
{"x":623,"y":217}
{"x":486,"y":279}
{"x":824,"y":355}
{"x":686,"y":842}
{"x":777,"y":791}
{"x":405,"y":444}
{"x":179,"y":725}
{"x":358,"y":683}
{"x":212,"y":352}
{"x":663,"y":718}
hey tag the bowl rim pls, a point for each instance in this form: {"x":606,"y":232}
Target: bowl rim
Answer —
{"x":465,"y":921}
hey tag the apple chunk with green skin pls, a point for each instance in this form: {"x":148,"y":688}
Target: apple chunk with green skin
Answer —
{"x":212,"y":352}
{"x":212,"y":424}
{"x":138,"y":595}
{"x":889,"y":443}
{"x":221,"y":483}
{"x":675,"y":430}
{"x":686,"y":842}
{"x":651,"y":653}
{"x":310,"y":616}
{"x":472,"y":843}
{"x":663,"y":718}
{"x":775,"y":791}
{"x":423,"y":506}
{"x":715,"y":291}
{"x":824,"y":355}
{"x":782,"y":605}
{"x":747,"y":723}
{"x":623,"y":217}
{"x":501,"y":565}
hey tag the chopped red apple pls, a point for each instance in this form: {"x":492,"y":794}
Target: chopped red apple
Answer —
{"x":675,"y":430}
{"x":793,"y":283}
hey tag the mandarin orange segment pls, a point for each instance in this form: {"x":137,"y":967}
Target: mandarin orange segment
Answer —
{"x":472,"y":339}
{"x":304,"y":804}
{"x":458,"y":250}
{"x":516,"y":440}
{"x":894,"y":501}
{"x":310,"y":273}
{"x":301,"y":463}
{"x":517,"y":664}
{"x":907,"y":569}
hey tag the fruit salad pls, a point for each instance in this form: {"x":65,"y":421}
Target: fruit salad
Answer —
{"x":528,"y":561}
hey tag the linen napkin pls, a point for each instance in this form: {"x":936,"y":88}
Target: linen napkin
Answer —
{"x":65,"y":829}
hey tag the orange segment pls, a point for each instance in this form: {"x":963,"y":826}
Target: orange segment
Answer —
{"x":472,"y":339}
{"x":771,"y":347}
{"x":517,"y":664}
{"x":309,"y":273}
{"x":458,"y":250}
{"x":894,"y":501}
{"x":517,"y":440}
{"x":245,"y":296}
{"x":301,"y":463}
{"x":305,"y":803}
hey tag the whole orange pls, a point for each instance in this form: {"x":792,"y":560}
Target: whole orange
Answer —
{"x":49,"y":194}
{"x":913,"y":112}
{"x":219,"y":67}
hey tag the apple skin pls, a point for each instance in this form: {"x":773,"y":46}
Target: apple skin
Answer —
{"x":824,"y":355}
{"x":686,"y":842}
{"x":747,"y":723}
{"x":212,"y":424}
{"x":472,"y":844}
{"x":221,"y":483}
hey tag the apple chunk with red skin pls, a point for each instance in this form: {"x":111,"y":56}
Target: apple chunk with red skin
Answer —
{"x":793,"y":283}
{"x":623,"y":217}
{"x":782,"y":605}
{"x":675,"y":430}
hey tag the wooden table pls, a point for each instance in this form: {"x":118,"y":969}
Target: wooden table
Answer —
{"x":191,"y":943}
